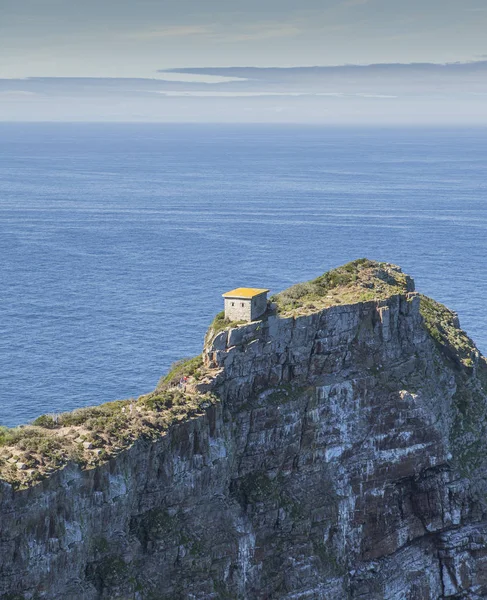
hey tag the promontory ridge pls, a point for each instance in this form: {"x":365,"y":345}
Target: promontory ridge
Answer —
{"x":329,"y":446}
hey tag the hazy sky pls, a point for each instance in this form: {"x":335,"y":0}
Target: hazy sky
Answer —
{"x":135,"y":38}
{"x":48,"y":49}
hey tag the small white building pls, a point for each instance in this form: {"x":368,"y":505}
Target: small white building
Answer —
{"x":245,"y":304}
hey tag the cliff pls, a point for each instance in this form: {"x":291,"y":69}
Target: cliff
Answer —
{"x":335,"y":449}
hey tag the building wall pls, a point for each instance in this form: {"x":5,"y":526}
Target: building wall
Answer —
{"x":238,"y":309}
{"x":259,"y":306}
{"x":245,"y":309}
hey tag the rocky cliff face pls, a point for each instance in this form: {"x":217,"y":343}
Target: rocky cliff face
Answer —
{"x":346,"y":458}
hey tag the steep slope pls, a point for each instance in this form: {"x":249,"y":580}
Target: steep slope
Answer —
{"x":335,"y":449}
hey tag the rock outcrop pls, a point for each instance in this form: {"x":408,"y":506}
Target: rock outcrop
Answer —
{"x":346,"y":458}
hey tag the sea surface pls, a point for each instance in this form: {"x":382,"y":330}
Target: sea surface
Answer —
{"x":117,"y":240}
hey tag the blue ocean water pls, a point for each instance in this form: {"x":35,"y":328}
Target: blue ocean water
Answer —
{"x":117,"y":241}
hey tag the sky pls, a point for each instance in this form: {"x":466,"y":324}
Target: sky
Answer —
{"x":141,"y":40}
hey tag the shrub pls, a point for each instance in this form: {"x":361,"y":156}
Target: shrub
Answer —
{"x":46,"y":421}
{"x":359,"y":280}
{"x":110,"y":429}
{"x":158,"y":402}
{"x":220,"y":323}
{"x":186,"y":367}
{"x":82,"y":416}
{"x":15,"y":435}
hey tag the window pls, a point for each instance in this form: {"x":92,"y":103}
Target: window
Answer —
{"x":243,"y":304}
{"x":233,"y":303}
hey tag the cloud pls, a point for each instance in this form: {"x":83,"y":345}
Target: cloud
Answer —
{"x":375,"y":95}
{"x":192,"y":78}
{"x":261,"y":32}
{"x":379,"y":83}
{"x":16,"y":94}
{"x":169,"y":32}
{"x":347,"y":70}
{"x":218,"y":94}
{"x":218,"y":32}
{"x":198,"y":94}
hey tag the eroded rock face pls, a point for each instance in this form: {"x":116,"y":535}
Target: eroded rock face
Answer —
{"x":343,"y":461}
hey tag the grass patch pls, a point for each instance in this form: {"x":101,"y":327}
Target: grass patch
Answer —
{"x":220,"y":323}
{"x":9,"y":435}
{"x":254,"y":487}
{"x":358,"y":281}
{"x":186,"y":367}
{"x":441,"y":324}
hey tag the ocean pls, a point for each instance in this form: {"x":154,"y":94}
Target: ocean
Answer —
{"x":117,"y":240}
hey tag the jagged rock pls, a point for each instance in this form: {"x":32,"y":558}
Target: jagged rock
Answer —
{"x":345,"y":459}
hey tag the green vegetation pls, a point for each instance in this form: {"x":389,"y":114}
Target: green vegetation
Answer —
{"x":257,"y":487}
{"x":219,"y":323}
{"x":221,"y":590}
{"x":157,"y":524}
{"x":90,"y":416}
{"x":328,"y":558}
{"x":90,"y":436}
{"x":111,"y":571}
{"x":468,"y":431}
{"x":469,"y":418}
{"x":186,"y":367}
{"x":101,"y":545}
{"x":287,"y":392}
{"x":441,"y":324}
{"x":357,"y":281}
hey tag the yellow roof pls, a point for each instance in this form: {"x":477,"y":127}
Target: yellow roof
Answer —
{"x":244,"y":293}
